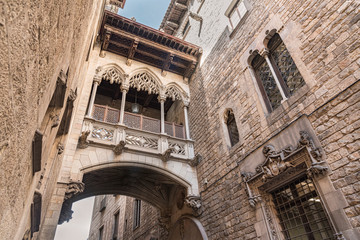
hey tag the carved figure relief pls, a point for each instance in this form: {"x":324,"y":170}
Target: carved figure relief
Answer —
{"x":196,"y":160}
{"x":83,"y":142}
{"x":119,"y":148}
{"x":166,"y":155}
{"x":194,"y":202}
{"x":60,"y":148}
{"x":73,"y":188}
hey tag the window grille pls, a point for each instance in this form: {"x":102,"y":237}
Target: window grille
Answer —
{"x":287,"y":76}
{"x":300,"y":211}
{"x":285,"y":64}
{"x":232,"y":128}
{"x":268,"y":87}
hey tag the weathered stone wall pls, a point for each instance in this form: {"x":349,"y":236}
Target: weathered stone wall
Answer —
{"x":38,"y":39}
{"x":105,"y":218}
{"x":125,"y":205}
{"x":323,"y":39}
{"x":148,"y":221}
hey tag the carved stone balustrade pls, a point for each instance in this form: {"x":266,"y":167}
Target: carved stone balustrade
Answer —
{"x":109,"y":135}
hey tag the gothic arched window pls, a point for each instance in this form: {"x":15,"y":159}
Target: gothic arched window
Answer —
{"x":231,"y":126}
{"x":276,"y":73}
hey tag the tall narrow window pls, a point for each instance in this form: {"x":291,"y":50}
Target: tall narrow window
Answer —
{"x":300,"y":211}
{"x":232,"y":128}
{"x":101,"y":233}
{"x":116,"y":225}
{"x":285,"y":65}
{"x":36,"y":151}
{"x":267,"y":83}
{"x":137,"y":208}
{"x":36,"y":213}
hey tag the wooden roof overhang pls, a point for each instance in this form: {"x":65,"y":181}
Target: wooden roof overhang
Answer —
{"x":176,"y":11}
{"x":138,"y":42}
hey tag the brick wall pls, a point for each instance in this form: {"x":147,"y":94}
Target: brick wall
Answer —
{"x":323,"y":39}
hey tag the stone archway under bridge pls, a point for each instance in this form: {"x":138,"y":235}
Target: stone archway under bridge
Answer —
{"x":168,"y":192}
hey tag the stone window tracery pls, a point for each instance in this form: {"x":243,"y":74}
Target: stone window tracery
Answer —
{"x":144,"y":81}
{"x":113,"y":75}
{"x":232,"y":127}
{"x":283,"y":62}
{"x":276,"y":73}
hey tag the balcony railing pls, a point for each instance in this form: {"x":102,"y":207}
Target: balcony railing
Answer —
{"x":137,"y":121}
{"x":137,"y":138}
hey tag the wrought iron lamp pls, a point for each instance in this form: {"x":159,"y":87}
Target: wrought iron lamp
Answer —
{"x":135,"y":107}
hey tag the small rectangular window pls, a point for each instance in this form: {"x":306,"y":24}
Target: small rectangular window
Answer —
{"x":235,"y":12}
{"x":36,"y":151}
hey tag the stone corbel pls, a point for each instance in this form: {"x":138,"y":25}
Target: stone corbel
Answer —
{"x":72,"y":189}
{"x":194,"y":202}
{"x":166,"y":155}
{"x":196,"y":160}
{"x":105,"y":44}
{"x":83,"y":142}
{"x":119,"y":148}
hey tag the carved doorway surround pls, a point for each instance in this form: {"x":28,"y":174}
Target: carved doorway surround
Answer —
{"x":291,"y":180}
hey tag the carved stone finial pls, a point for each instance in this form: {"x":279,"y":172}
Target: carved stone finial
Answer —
{"x":83,"y":142}
{"x":306,"y":140}
{"x":194,"y":202}
{"x":196,"y":160}
{"x":60,"y":148}
{"x":119,"y":148}
{"x":166,"y":155}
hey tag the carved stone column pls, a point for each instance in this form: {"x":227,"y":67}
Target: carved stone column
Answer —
{"x":162,"y":99}
{"x":97,"y":81}
{"x":124,"y":90}
{"x":266,"y":56}
{"x":187,"y":129}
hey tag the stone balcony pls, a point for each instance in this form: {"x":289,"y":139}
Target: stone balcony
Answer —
{"x":109,"y":135}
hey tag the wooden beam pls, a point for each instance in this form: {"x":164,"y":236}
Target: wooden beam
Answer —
{"x":151,"y":43}
{"x":132,"y":50}
{"x":172,"y":24}
{"x":180,"y":6}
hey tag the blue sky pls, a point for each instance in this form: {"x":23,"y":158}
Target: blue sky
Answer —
{"x":148,"y":12}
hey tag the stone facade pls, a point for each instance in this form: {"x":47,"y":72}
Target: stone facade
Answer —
{"x":322,"y":38}
{"x":41,"y":42}
{"x":313,"y":133}
{"x":104,"y":217}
